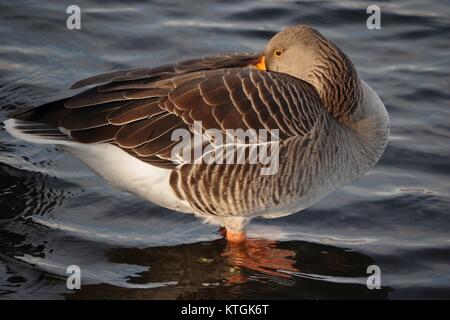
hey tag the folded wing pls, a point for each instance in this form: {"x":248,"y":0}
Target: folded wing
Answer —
{"x":138,"y":110}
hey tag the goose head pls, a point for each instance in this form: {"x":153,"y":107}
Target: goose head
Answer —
{"x":306,"y":54}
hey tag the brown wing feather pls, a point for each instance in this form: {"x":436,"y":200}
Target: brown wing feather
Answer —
{"x":223,"y":60}
{"x":134,"y":111}
{"x":246,"y":98}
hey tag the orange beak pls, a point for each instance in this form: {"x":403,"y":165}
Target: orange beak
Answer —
{"x":261,"y":64}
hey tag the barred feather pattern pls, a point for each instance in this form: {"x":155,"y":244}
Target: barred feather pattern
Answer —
{"x":338,"y":83}
{"x":310,"y":166}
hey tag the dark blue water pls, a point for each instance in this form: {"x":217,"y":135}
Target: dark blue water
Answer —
{"x":54,"y":212}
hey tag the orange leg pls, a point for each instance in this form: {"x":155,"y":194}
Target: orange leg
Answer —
{"x":236,"y":237}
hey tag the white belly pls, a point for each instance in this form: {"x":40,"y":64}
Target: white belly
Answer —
{"x":128,"y":173}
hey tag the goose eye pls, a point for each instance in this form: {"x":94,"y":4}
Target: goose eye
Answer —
{"x":277,"y":53}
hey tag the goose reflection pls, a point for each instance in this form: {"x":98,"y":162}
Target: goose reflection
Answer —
{"x":258,"y":255}
{"x":209,"y":263}
{"x":220,"y":270}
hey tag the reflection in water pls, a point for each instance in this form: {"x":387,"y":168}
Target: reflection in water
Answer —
{"x":259,"y":269}
{"x":261,"y":256}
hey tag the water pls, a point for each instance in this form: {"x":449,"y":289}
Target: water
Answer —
{"x":55,"y":212}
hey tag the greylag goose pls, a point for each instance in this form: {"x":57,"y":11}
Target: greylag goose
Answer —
{"x":331,"y":127}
